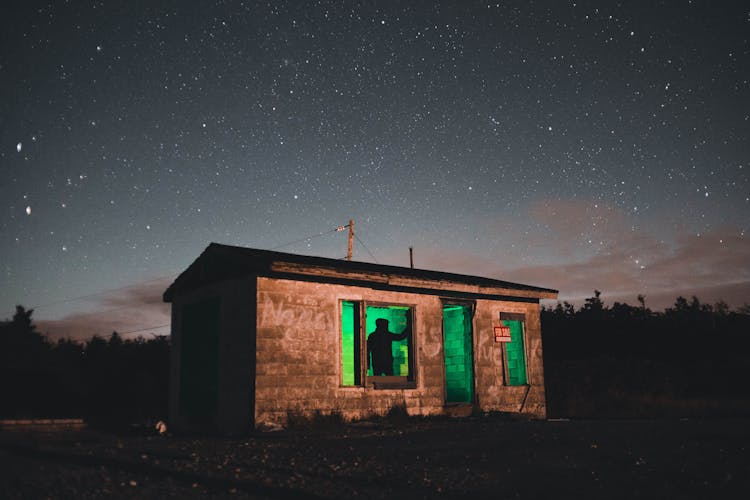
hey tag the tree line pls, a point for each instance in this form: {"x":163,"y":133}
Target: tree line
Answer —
{"x":104,"y":380}
{"x":624,"y":360}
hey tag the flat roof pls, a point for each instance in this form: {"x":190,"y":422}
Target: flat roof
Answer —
{"x":220,"y":262}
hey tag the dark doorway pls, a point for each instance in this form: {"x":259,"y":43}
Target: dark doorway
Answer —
{"x":199,"y":360}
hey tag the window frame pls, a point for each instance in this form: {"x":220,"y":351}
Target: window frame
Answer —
{"x":377,"y":381}
{"x":357,"y":342}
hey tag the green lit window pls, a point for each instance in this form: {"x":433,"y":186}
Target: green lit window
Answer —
{"x":377,"y":343}
{"x":515,"y":353}
{"x":350,"y":343}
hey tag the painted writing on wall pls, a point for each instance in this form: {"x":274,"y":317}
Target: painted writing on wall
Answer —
{"x":279,"y":311}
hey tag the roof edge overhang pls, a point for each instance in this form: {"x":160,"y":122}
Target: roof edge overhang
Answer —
{"x":404,"y":282}
{"x":221,"y":262}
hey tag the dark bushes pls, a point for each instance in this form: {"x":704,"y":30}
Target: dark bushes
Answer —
{"x":629,"y":361}
{"x":107,"y":381}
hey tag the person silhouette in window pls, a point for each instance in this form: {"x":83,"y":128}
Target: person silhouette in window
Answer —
{"x":379,"y":352}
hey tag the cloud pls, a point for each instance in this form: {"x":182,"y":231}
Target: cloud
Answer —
{"x":138,"y":309}
{"x":570,"y":245}
{"x":578,"y":246}
{"x":713,"y":266}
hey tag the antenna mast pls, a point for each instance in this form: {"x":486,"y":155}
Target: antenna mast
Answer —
{"x":350,"y":246}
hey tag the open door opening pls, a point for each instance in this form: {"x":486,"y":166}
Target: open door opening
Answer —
{"x":515,"y":357}
{"x":199,"y":361}
{"x":457,"y":348}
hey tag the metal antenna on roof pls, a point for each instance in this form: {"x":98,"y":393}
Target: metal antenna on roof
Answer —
{"x":411,"y":257}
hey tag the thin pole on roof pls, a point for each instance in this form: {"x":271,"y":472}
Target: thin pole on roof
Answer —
{"x":411,"y":257}
{"x":350,"y":247}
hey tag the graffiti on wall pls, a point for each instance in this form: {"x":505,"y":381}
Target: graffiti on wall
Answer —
{"x":293,"y":316}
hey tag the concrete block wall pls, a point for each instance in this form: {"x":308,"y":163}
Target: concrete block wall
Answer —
{"x":492,"y":392}
{"x":298,"y":366}
{"x":299,"y":353}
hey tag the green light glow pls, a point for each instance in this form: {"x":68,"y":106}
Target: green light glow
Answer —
{"x":459,"y":383}
{"x":515,"y":353}
{"x":452,"y":308}
{"x":347,"y":343}
{"x":396,"y":316}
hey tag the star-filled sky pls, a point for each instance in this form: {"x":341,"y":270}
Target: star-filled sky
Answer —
{"x":570,"y":145}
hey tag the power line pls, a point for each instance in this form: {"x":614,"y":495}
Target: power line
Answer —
{"x":99,"y":293}
{"x":368,"y":250}
{"x":305,"y":238}
{"x":138,"y":330}
{"x":158,"y":278}
{"x":336,"y":229}
{"x":172,"y":275}
{"x":143,"y":329}
{"x":99,"y":312}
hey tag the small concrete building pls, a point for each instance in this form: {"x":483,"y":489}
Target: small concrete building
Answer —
{"x":259,"y":336}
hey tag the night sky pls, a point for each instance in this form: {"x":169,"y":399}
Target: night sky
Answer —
{"x":570,"y":145}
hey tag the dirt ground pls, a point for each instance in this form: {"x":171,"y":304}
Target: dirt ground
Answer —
{"x":478,"y":457}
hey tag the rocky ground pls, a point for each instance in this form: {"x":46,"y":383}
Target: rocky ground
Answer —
{"x":479,"y":457}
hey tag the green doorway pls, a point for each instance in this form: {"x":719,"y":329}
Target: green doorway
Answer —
{"x":459,"y":369}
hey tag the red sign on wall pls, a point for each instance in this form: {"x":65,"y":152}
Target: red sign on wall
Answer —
{"x":502,"y":334}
